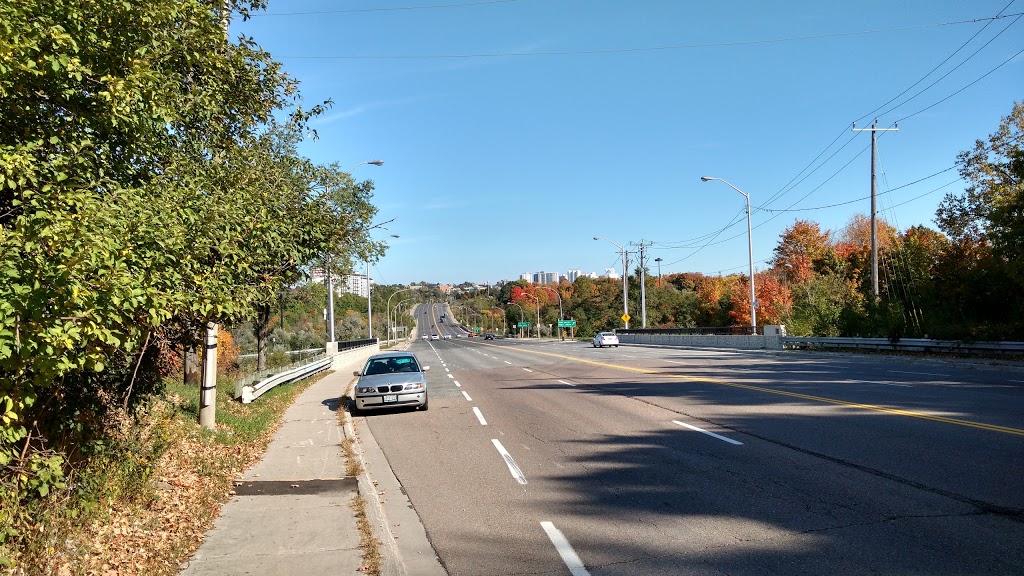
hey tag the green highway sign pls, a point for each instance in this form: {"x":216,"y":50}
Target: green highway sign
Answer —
{"x":524,"y":324}
{"x":566,"y":323}
{"x":477,"y":329}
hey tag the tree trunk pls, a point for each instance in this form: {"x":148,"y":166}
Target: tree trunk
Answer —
{"x":191,"y":366}
{"x":262,"y":332}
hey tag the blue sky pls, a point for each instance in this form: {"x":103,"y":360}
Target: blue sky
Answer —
{"x":513,"y":132}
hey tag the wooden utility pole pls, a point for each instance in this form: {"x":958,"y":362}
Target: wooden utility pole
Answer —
{"x":874,"y":190}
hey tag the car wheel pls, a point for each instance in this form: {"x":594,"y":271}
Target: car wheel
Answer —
{"x":616,"y":345}
{"x":426,"y":403}
{"x":353,"y":410}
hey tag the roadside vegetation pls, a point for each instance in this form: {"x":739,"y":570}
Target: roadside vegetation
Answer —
{"x":150,"y":186}
{"x":143,"y":503}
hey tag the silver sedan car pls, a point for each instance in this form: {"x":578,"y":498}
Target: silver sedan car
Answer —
{"x":390,"y":380}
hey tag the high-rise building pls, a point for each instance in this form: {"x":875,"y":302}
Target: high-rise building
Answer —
{"x":356,"y":284}
{"x":350,"y":284}
{"x":572,"y":275}
{"x":611,"y":273}
{"x":526,"y":276}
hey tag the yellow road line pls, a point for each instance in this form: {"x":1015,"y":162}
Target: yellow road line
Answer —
{"x":822,"y":399}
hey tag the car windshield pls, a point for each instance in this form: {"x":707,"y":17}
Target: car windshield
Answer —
{"x":391,"y":365}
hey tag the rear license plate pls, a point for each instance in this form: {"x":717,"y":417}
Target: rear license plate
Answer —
{"x":391,"y":398}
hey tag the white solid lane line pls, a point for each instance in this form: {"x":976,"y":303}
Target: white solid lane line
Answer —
{"x":479,"y":416}
{"x":467,"y":396}
{"x":566,"y":383}
{"x":527,"y":369}
{"x":512,"y":466}
{"x":712,"y":434}
{"x":569,"y":556}
{"x":917,"y":373}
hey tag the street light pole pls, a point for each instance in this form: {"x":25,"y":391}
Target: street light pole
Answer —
{"x":658,"y":260}
{"x":330,"y":278}
{"x":388,"y":308}
{"x":625,"y":301}
{"x":369,"y":286}
{"x":750,"y":251}
{"x":369,"y":304}
{"x":560,"y":315}
{"x":522,"y":316}
{"x":393,"y":312}
{"x":504,"y":324}
{"x":525,"y":294}
{"x":329,"y":281}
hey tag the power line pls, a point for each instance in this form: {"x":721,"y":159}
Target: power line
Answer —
{"x":862,"y":198}
{"x":790,"y":185}
{"x":939,"y":65}
{"x":698,"y":239}
{"x":647,"y":48}
{"x":965,"y":60}
{"x":979,"y":79}
{"x":394,"y":9}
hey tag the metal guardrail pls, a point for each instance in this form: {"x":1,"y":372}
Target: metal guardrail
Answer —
{"x":696,"y":330}
{"x":350,"y":344}
{"x":905,"y":345}
{"x":248,"y":392}
{"x":255,"y":385}
{"x":286,"y":352}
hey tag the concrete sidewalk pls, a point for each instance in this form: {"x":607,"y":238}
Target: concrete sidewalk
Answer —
{"x":291,"y":512}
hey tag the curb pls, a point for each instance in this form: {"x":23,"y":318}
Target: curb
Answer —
{"x":404,"y":547}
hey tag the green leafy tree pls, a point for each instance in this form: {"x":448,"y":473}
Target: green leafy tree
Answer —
{"x":983,"y":267}
{"x":144,"y":190}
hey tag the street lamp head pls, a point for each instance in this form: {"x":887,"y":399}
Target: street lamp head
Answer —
{"x":376,"y":162}
{"x":706,"y":178}
{"x":598,"y":238}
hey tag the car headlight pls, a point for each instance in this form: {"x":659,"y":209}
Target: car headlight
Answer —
{"x":414,"y":386}
{"x":365,"y":389}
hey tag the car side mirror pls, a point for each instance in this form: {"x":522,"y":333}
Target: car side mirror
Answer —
{"x":357,"y":373}
{"x":425,"y":368}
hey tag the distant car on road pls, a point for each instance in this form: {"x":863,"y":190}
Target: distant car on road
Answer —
{"x":425,"y":337}
{"x":447,"y":336}
{"x":488,"y":336}
{"x":606,"y":339}
{"x":391,"y":379}
{"x":435,"y":337}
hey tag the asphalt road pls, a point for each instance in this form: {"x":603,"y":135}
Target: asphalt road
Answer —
{"x":549,"y":457}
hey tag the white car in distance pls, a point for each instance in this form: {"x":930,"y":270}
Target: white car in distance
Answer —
{"x":606,"y":339}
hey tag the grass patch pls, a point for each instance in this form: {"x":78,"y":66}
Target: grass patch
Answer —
{"x":367,"y":541}
{"x":142,"y":506}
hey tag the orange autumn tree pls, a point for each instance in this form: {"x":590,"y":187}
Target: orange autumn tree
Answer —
{"x":711,"y":292}
{"x":799,"y":246}
{"x":773,"y":296}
